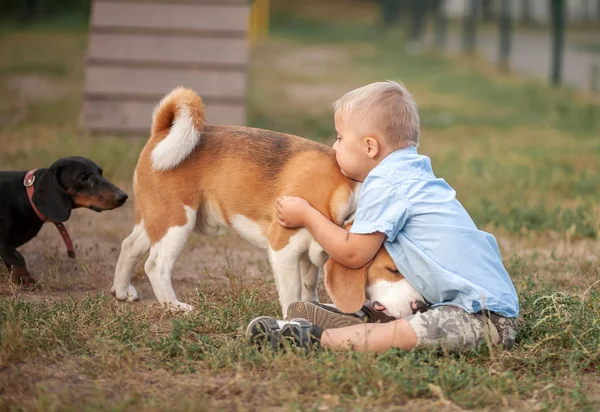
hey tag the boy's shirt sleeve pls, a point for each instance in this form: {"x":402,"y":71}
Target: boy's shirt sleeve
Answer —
{"x":380,"y":209}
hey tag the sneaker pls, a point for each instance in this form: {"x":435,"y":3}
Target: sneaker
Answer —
{"x":302,"y":333}
{"x":266,"y":331}
{"x":329,"y":317}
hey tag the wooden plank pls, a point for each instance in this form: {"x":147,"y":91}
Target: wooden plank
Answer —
{"x":214,"y":34}
{"x":156,"y":82}
{"x":136,"y":117}
{"x":148,"y":64}
{"x":184,"y":49}
{"x":170,"y":16}
{"x":219,"y":2}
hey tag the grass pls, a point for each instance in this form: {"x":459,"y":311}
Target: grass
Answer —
{"x":113,"y":347}
{"x":522,"y":157}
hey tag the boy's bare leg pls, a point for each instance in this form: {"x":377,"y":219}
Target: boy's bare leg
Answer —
{"x":377,"y":337}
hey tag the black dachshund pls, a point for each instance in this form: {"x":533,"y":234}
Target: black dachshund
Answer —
{"x":28,"y":199}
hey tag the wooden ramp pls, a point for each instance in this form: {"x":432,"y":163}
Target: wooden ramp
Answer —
{"x":141,"y":49}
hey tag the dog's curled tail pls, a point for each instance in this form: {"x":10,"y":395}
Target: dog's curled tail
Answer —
{"x":178,"y":122}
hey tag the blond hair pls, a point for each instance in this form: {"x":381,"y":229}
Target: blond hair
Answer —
{"x":384,"y":107}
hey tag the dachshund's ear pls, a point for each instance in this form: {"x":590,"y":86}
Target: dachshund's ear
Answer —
{"x":346,"y":286}
{"x":51,"y":198}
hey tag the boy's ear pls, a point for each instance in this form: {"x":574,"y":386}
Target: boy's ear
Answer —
{"x":346,"y":286}
{"x":372,"y":147}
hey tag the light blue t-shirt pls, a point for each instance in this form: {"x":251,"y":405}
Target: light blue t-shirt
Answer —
{"x":431,"y":237}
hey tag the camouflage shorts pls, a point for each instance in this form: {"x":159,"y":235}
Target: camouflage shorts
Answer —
{"x":455,"y":330}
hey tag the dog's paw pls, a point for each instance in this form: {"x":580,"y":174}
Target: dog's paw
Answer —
{"x":178,"y":307}
{"x":128,"y":295}
{"x":28,"y":283}
{"x":21,"y":277}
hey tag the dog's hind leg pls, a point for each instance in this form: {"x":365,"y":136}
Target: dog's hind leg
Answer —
{"x":161,"y":261}
{"x":15,"y":263}
{"x":133,"y":249}
{"x":309,"y":274}
{"x":286,"y":269}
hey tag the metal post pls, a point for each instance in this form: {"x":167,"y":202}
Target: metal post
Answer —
{"x":558,"y":27}
{"x":470,"y":26}
{"x":440,"y":24}
{"x":505,"y":35}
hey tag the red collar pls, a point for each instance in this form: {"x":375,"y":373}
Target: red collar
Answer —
{"x":28,"y":182}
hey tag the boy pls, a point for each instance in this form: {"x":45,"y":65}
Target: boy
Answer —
{"x":429,"y":235}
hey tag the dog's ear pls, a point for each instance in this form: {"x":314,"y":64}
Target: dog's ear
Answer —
{"x":346,"y":286}
{"x":51,"y":198}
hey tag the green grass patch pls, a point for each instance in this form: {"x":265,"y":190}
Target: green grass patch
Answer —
{"x":561,"y":334}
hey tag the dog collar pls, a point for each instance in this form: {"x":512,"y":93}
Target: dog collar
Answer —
{"x":28,"y":183}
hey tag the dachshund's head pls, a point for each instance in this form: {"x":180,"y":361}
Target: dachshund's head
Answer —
{"x":74,"y":182}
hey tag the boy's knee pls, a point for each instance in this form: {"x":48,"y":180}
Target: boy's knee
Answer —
{"x":404,"y":335}
{"x":326,"y":339}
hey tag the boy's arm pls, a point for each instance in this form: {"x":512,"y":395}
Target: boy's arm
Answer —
{"x":349,"y":249}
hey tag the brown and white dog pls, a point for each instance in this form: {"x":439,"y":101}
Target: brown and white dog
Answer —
{"x":191,"y":175}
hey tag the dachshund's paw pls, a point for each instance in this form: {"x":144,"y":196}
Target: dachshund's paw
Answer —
{"x":27,"y":283}
{"x":20,"y":276}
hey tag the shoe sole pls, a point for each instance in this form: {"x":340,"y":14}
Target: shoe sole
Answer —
{"x":319,"y":316}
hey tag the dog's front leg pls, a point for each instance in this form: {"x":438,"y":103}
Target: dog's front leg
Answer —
{"x":15,"y":262}
{"x":160,"y":263}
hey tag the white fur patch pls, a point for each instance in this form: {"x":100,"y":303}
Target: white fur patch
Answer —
{"x":160,"y":263}
{"x":179,"y":143}
{"x":395,"y":296}
{"x":249,"y":230}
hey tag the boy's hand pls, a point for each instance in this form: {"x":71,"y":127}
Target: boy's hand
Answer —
{"x":291,"y":211}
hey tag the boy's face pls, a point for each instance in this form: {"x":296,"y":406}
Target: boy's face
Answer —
{"x":351,"y":149}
